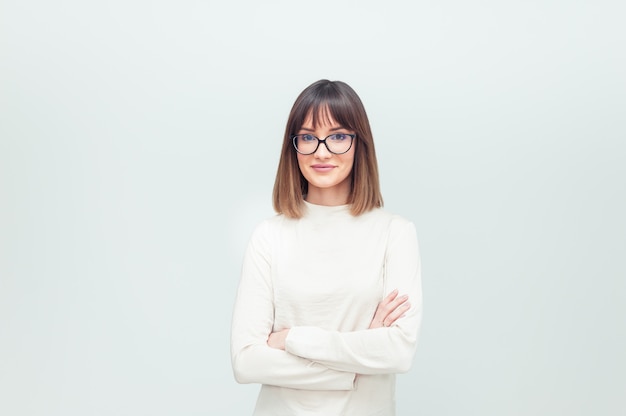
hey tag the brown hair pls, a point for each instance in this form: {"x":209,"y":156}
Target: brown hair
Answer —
{"x":338,"y":100}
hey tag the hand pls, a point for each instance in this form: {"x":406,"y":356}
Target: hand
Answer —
{"x":390,"y":309}
{"x":277,"y":339}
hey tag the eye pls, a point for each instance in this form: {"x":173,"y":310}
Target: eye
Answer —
{"x":339,"y":137}
{"x":307,"y":138}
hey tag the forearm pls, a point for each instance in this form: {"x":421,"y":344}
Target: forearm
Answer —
{"x":265,"y":365}
{"x":371,"y":351}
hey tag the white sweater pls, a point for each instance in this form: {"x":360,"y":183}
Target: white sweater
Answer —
{"x":323,"y":276}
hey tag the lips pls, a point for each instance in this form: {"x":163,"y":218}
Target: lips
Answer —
{"x":322,"y":167}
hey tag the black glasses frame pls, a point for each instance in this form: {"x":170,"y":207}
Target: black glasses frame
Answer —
{"x":319,"y":141}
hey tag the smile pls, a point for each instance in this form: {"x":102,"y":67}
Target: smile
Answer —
{"x":322,"y":168}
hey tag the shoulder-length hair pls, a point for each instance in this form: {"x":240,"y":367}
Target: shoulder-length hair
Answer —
{"x":322,"y":100}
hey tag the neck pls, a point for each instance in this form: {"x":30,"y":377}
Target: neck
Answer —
{"x":328,"y":197}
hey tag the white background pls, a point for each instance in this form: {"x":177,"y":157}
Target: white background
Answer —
{"x":138,"y":146}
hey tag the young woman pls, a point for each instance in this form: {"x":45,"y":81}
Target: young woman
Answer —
{"x":329,"y":303}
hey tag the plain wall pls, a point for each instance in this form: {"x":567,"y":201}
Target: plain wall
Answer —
{"x":138,"y":146}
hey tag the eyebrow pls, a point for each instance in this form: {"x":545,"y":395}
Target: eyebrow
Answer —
{"x":333,"y":129}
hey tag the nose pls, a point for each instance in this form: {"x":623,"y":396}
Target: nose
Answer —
{"x":322,"y":151}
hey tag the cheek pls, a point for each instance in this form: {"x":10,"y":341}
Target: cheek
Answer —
{"x":302,"y":163}
{"x":301,"y":160}
{"x":348,"y":161}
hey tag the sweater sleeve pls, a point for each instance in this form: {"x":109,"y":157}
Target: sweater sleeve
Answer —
{"x":253,"y":361}
{"x":380,"y":350}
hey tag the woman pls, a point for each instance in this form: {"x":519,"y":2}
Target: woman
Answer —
{"x":328,"y":308}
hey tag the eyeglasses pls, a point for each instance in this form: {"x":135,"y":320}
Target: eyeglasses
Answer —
{"x":307,"y":144}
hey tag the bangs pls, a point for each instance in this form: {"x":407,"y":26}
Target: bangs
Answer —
{"x":324,"y":106}
{"x":326,"y":113}
{"x":320,"y":113}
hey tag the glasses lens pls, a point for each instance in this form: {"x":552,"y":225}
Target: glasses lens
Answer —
{"x":339,"y":143}
{"x":305,"y":143}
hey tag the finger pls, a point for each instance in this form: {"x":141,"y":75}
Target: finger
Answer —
{"x":392,"y":311}
{"x":398,"y":301}
{"x":389,"y":307}
{"x":390,"y":297}
{"x":380,"y":314}
{"x":386,"y":306}
{"x":396,"y":314}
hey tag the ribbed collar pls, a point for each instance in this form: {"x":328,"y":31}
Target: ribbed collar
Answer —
{"x":325,"y":211}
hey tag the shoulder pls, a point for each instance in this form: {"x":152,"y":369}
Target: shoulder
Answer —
{"x":263,"y":236}
{"x":268,"y":226}
{"x":393,"y":220}
{"x":401,"y":234}
{"x":396,"y":227}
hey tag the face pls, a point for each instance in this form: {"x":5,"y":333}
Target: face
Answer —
{"x":328,"y":174}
